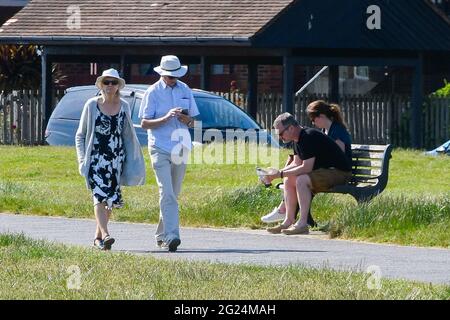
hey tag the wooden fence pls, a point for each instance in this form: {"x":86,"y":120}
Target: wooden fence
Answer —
{"x":436,"y":122}
{"x":378,"y":119}
{"x":22,"y":117}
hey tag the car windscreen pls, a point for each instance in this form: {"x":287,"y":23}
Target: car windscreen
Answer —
{"x":71,"y":105}
{"x":220,"y":113}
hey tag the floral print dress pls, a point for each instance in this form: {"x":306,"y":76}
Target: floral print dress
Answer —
{"x":107,"y":158}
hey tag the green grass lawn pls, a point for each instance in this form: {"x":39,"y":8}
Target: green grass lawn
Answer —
{"x":414,"y":208}
{"x":41,"y":270}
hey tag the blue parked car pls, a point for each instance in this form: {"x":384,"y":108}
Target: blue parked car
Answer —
{"x":216,"y":113}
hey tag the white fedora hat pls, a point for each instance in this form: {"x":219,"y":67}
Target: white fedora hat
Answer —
{"x":110,"y":73}
{"x":171,"y":66}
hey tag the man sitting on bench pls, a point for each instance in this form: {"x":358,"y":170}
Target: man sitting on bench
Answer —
{"x":329,"y":118}
{"x":319,"y":164}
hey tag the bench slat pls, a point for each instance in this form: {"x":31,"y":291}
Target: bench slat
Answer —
{"x":367,"y":172}
{"x":366,"y":163}
{"x":365,"y":182}
{"x":364,"y":177}
{"x":358,"y":154}
{"x":372,"y":147}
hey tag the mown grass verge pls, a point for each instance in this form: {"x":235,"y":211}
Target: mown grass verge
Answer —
{"x":41,"y":270}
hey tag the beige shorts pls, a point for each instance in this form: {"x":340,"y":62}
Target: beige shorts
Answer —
{"x":325,"y":179}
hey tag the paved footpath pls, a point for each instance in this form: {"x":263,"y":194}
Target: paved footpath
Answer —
{"x":246,"y":246}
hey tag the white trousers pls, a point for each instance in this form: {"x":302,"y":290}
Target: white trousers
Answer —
{"x":169,"y":176}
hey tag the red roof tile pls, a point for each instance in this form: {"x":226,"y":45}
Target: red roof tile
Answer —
{"x":144,"y":18}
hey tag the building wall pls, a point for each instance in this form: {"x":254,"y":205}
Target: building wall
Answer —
{"x":223,"y":77}
{"x":81,"y":74}
{"x":226,"y":78}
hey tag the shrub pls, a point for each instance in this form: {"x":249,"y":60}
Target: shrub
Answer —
{"x":443,"y":92}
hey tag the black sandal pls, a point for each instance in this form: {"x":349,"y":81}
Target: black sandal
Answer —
{"x":98,"y":243}
{"x":108,"y":242}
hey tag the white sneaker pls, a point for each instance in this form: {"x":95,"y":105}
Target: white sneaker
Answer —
{"x":274,"y":216}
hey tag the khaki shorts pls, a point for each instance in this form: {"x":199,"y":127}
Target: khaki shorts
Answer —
{"x":325,"y":179}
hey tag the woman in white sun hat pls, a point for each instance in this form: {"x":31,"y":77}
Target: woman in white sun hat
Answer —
{"x":167,"y":110}
{"x":109,"y":154}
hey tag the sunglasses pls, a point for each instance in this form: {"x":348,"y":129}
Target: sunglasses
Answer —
{"x":280,"y":134}
{"x":108,"y":82}
{"x":171,"y":78}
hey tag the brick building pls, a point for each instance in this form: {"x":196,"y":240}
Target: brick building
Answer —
{"x":353,"y":80}
{"x":263,"y":45}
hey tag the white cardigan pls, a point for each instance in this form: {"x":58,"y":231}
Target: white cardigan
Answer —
{"x":133,"y":170}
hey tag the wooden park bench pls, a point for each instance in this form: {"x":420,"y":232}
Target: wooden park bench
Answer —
{"x":370,"y":171}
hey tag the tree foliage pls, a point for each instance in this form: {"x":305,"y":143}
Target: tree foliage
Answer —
{"x":20,"y":67}
{"x":443,"y":92}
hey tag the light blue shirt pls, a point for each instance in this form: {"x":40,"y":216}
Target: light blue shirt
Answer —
{"x":157,"y":102}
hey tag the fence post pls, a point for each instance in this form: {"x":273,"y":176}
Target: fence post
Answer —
{"x":446,"y":129}
{"x":33,"y":123}
{"x":4,"y":112}
{"x":379,"y":106}
{"x":12,"y":125}
{"x":26,"y":113}
{"x":3,"y":116}
{"x":389,"y":120}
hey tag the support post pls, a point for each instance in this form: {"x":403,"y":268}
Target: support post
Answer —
{"x":288,"y":84}
{"x":333,"y":84}
{"x":252,"y":89}
{"x":205,"y":69}
{"x":46,"y":88}
{"x":417,"y":104}
{"x":125,"y":68}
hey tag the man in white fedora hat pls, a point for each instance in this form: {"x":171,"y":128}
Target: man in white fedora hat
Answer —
{"x":167,"y":111}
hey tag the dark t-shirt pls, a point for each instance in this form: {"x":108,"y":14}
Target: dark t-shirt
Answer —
{"x":338,"y":132}
{"x":314,"y":143}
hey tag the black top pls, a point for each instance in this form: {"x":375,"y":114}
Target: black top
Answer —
{"x":314,"y":143}
{"x":338,"y":131}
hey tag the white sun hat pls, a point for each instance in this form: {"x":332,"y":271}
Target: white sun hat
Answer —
{"x":110,"y":73}
{"x":171,"y":66}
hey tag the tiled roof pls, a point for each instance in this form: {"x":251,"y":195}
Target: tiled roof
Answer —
{"x":144,"y":18}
